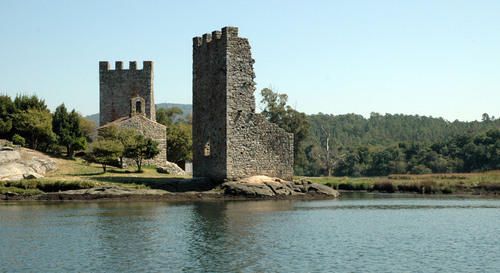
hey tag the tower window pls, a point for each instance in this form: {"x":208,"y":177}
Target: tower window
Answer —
{"x":206,"y":149}
{"x":138,"y":109}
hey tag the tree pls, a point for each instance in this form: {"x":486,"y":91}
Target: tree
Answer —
{"x":7,"y":109}
{"x":277,"y":111}
{"x":67,"y":128}
{"x":35,"y":126}
{"x":180,"y":141}
{"x":104,"y":152}
{"x":87,"y":127}
{"x":141,"y":148}
{"x":179,"y":134}
{"x":125,"y":136}
{"x":168,"y":116}
{"x":25,"y":102}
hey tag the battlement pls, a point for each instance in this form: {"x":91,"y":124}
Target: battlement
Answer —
{"x":207,"y":38}
{"x":105,"y":66}
{"x":230,"y":140}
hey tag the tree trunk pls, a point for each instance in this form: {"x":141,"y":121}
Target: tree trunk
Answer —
{"x":104,"y":168}
{"x":139,"y":165}
{"x":34,"y":142}
{"x":69,"y":151}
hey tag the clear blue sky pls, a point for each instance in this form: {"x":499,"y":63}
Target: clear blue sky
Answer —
{"x":426,"y":57}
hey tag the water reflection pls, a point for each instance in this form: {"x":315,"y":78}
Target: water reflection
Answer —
{"x":227,"y":229}
{"x":350,"y":235}
{"x":121,"y":229}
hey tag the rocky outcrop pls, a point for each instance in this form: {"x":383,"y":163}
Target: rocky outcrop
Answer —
{"x":170,"y":168}
{"x":264,"y":186}
{"x":112,"y":190}
{"x":22,"y":163}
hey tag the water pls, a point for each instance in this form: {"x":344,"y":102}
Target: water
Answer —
{"x":348,"y":235}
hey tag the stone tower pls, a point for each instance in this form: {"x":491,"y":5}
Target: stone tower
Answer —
{"x":117,"y":88}
{"x":127,"y":101}
{"x":230,"y":140}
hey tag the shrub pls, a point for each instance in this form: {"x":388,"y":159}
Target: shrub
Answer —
{"x":489,"y":186}
{"x":384,"y":186}
{"x":18,"y":140}
{"x":410,"y":187}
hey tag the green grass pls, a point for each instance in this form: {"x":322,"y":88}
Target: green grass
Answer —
{"x":486,"y":182}
{"x":77,"y":174}
{"x":19,"y":191}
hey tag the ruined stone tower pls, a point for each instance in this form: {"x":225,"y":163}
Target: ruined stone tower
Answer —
{"x":117,"y":87}
{"x":126,"y":100}
{"x":230,"y":140}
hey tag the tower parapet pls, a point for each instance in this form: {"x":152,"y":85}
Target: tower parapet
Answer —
{"x":117,"y":86}
{"x":230,"y":140}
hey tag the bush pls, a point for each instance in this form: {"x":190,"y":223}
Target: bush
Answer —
{"x":410,"y":187}
{"x":18,"y":140}
{"x":447,"y":190}
{"x":384,"y":186}
{"x":48,"y":186}
{"x":489,"y":186}
{"x":65,"y":186}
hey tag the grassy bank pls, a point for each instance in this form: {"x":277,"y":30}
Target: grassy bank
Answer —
{"x":459,"y":183}
{"x":77,"y":174}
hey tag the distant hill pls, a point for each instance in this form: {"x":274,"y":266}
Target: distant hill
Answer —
{"x":187,"y":109}
{"x":350,"y":130}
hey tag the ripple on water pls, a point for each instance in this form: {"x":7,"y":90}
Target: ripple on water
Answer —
{"x":351,"y":235}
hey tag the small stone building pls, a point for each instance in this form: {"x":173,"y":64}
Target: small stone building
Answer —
{"x":127,"y":100}
{"x":230,"y":140}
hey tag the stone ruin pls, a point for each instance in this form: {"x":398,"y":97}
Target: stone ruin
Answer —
{"x":231,"y":140}
{"x":127,"y":101}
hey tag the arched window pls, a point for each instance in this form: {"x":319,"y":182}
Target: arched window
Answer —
{"x":206,"y":149}
{"x":138,"y":106}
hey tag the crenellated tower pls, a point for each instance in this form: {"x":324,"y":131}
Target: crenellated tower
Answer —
{"x":125,"y":92}
{"x":230,"y":140}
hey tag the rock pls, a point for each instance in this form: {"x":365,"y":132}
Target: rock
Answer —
{"x":32,"y":175}
{"x":9,"y":156}
{"x":170,"y":168}
{"x":245,"y":189}
{"x":321,"y":189}
{"x":22,"y":163}
{"x":111,"y":191}
{"x":264,"y":186}
{"x":280,"y":188}
{"x":10,"y":194}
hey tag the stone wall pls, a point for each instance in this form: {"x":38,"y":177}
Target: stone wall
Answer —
{"x":148,"y":128}
{"x":209,"y":106}
{"x":117,"y":86}
{"x":242,"y":142}
{"x":127,"y":100}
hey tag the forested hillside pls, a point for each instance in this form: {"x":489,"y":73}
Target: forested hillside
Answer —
{"x":342,"y":145}
{"x":381,"y":130}
{"x":351,"y":145}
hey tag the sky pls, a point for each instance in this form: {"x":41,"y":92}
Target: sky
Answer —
{"x":437,"y":58}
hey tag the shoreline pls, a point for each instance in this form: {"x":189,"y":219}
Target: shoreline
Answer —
{"x":219,"y":196}
{"x":173,"y":197}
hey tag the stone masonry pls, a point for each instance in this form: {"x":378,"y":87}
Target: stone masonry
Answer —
{"x":117,"y":86}
{"x":230,"y":140}
{"x":127,"y":101}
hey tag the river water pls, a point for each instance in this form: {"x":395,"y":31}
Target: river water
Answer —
{"x":348,"y":235}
